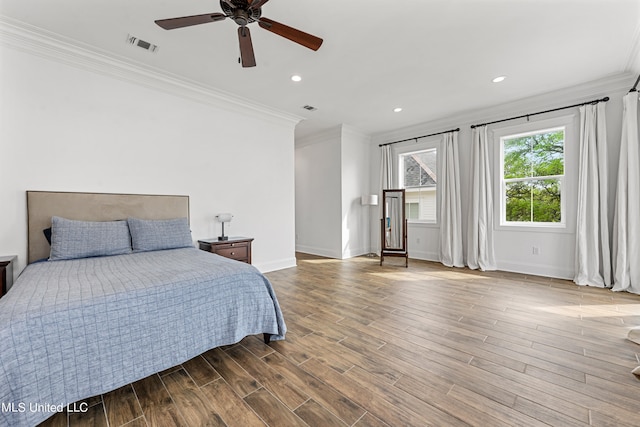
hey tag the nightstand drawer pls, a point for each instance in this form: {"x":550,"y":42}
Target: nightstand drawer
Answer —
{"x":238,"y":248}
{"x":238,"y":251}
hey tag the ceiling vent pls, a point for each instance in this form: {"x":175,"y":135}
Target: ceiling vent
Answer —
{"x":135,"y":41}
{"x":309,"y":108}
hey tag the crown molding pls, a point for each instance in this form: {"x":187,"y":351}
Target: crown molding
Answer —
{"x":614,"y":85}
{"x":633,"y":59}
{"x":333,"y":134}
{"x":37,"y":41}
{"x":355,"y":132}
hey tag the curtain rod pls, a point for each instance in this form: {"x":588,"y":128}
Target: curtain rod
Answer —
{"x":418,"y":137}
{"x":634,"y":88}
{"x":595,"y":101}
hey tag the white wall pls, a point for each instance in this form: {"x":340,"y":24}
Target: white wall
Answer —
{"x":318,"y":194}
{"x":76,"y":124}
{"x":356,"y":220}
{"x":514,"y":247}
{"x":332,"y":174}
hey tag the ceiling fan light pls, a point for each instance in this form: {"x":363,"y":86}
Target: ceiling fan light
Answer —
{"x":397,"y":110}
{"x":296,"y":78}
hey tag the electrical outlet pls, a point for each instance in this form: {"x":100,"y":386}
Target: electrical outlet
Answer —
{"x":418,"y":240}
{"x":535,"y":250}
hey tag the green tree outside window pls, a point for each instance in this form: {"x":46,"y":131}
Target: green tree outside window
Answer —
{"x":533,"y":167}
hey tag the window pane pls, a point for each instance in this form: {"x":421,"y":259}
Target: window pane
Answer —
{"x":517,"y":157}
{"x":419,"y":175}
{"x":518,"y":202}
{"x":548,"y":153}
{"x":422,"y":202}
{"x":546,"y":200}
{"x":537,"y":200}
{"x":420,"y":169}
{"x":540,"y":154}
{"x":412,"y":210}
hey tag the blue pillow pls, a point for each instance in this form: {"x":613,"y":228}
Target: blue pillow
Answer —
{"x":72,"y":239}
{"x":158,"y":234}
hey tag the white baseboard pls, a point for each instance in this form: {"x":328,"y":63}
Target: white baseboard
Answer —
{"x":424,"y":256}
{"x":354,"y":253}
{"x":329,"y":253}
{"x":537,"y":270}
{"x":266,"y":267}
{"x":512,"y":267}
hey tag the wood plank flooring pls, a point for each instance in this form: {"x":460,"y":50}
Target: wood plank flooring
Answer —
{"x":394,"y":346}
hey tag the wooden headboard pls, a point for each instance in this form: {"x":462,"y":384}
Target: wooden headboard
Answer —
{"x":42,"y":205}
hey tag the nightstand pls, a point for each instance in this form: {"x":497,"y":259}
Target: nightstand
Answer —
{"x":238,"y":248}
{"x":6,"y":273}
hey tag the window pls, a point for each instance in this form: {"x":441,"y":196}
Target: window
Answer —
{"x":532,"y":175}
{"x":418,"y":176}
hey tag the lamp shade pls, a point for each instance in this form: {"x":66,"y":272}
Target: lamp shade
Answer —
{"x":224,"y":217}
{"x":369,"y":200}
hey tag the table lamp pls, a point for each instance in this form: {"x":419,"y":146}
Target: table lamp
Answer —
{"x":224,"y":217}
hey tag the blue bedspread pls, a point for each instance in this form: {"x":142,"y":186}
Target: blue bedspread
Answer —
{"x":79,"y":328}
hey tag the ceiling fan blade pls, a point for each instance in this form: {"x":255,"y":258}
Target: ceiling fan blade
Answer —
{"x":257,"y":4}
{"x":186,"y":21}
{"x":300,"y":37}
{"x":246,"y":47}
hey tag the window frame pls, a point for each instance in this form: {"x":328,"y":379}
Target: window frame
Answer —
{"x":567,"y":190}
{"x":427,"y":144}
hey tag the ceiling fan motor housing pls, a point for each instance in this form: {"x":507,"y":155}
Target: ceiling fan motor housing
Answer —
{"x":241,"y":13}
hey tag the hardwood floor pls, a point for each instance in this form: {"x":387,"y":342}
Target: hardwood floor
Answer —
{"x":389,"y":346}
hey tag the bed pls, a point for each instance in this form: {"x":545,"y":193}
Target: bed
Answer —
{"x":76,"y":327}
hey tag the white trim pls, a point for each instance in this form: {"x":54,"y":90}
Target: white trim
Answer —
{"x":325,"y":252}
{"x":351,"y":253}
{"x":281,"y":264}
{"x":432,"y":143}
{"x":569,"y":95}
{"x":423,"y":224}
{"x":633,"y":59}
{"x":543,"y":270}
{"x":37,"y":41}
{"x":331,"y":134}
{"x":568,"y":190}
{"x":424,"y":255}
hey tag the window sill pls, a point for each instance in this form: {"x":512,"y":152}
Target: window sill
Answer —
{"x":556,"y":229}
{"x":422,"y":224}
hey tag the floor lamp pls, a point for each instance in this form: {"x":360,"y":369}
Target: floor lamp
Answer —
{"x":369,"y":200}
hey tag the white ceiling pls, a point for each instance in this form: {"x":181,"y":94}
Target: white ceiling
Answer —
{"x":433,"y":58}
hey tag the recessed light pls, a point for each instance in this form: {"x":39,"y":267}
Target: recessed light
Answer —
{"x":397,"y":110}
{"x":296,"y":78}
{"x":499,"y":79}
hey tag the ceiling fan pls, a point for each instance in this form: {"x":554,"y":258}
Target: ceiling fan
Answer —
{"x":244,"y":12}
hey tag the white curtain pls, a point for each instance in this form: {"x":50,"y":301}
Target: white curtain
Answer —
{"x":386,"y":168}
{"x":626,"y":222}
{"x":593,"y":261}
{"x":450,"y":214}
{"x":480,"y":250}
